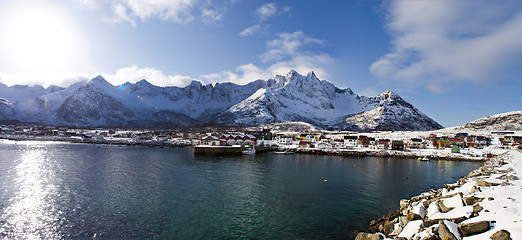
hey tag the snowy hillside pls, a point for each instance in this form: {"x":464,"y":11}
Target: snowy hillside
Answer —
{"x":511,"y":121}
{"x":289,"y":98}
{"x":307,"y":99}
{"x":393,"y":113}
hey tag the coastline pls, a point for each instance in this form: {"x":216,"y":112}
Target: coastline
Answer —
{"x":484,"y":204}
{"x":363,"y":152}
{"x":95,"y":141}
{"x":435,"y":155}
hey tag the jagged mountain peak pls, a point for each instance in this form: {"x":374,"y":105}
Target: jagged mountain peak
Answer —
{"x":195,"y":84}
{"x":293,"y":73}
{"x":388,"y":96}
{"x":285,"y":98}
{"x":99,"y":81}
{"x":144,"y":82}
{"x":98,"y":78}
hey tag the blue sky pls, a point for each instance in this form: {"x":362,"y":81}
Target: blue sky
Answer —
{"x":454,"y":60}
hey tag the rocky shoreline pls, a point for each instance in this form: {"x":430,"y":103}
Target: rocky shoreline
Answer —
{"x":482,"y":205}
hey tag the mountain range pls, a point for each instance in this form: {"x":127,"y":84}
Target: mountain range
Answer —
{"x":292,"y":97}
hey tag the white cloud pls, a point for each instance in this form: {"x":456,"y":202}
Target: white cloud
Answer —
{"x":288,"y":51}
{"x":266,"y":11}
{"x":288,"y":45}
{"x":134,"y":74}
{"x":122,"y":14}
{"x":176,"y":10}
{"x":439,"y":43}
{"x":181,"y":11}
{"x":63,"y":79}
{"x":211,"y":15}
{"x":270,"y":10}
{"x":131,"y":74}
{"x":250,"y":30}
{"x":263,"y":13}
{"x":90,"y":4}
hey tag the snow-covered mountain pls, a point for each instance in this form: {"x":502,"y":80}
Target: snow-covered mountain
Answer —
{"x":392,"y":113}
{"x":292,"y":97}
{"x":307,"y":99}
{"x":511,"y":121}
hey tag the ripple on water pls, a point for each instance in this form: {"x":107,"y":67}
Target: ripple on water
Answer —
{"x":57,"y":190}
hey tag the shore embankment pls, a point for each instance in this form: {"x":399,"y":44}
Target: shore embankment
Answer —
{"x":434,"y":154}
{"x":485,"y":204}
{"x":127,"y":142}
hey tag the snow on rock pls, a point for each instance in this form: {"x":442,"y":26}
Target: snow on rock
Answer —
{"x":392,"y":113}
{"x":289,"y":98}
{"x":295,"y":97}
{"x":471,"y":207}
{"x":511,"y":121}
{"x":453,"y":202}
{"x":411,"y":229}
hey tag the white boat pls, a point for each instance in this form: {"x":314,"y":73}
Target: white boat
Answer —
{"x":283,"y":152}
{"x":424,"y":159}
{"x":249,"y":151}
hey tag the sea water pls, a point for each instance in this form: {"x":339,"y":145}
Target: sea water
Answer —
{"x":62,"y":190}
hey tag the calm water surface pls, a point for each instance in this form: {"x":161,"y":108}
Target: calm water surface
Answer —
{"x":60,"y":190}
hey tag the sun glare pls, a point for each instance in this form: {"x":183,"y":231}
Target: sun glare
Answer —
{"x":41,"y":37}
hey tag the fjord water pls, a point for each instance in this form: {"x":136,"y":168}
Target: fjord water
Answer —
{"x":60,"y":190}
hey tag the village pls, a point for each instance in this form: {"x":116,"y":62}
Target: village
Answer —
{"x":434,"y":144}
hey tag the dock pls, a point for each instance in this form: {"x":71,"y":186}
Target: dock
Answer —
{"x":225,"y":150}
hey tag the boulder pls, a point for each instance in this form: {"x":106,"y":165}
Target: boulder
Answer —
{"x":475,"y":189}
{"x":420,"y":210}
{"x":404,"y":203}
{"x":453,"y":202}
{"x":403,"y":220}
{"x":367,"y":236}
{"x":411,"y":229}
{"x":483,"y":183}
{"x":468,"y":229}
{"x":510,"y":177}
{"x":413,"y":216}
{"x":388,"y":227}
{"x":433,"y":208}
{"x":443,"y":207}
{"x":450,"y":187}
{"x":476,"y":209}
{"x":427,"y":234}
{"x":471,"y":200}
{"x":501,"y":235}
{"x":448,"y":230}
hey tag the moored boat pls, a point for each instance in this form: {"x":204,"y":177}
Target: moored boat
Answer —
{"x":249,"y":151}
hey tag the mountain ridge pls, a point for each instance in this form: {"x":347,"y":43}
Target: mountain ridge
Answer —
{"x":509,"y":121}
{"x":292,"y":97}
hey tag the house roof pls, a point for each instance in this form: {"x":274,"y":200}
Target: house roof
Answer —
{"x":210,"y":138}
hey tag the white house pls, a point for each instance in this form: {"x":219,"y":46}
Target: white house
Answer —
{"x":323,"y":145}
{"x":350,"y":141}
{"x":210,"y":141}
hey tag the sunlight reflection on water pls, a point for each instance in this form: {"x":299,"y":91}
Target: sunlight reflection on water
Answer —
{"x":30,"y":212}
{"x":52,"y":190}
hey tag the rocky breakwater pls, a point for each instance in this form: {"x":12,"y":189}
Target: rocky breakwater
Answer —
{"x":486,"y":204}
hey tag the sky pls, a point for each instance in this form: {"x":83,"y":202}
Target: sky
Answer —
{"x":456,"y":61}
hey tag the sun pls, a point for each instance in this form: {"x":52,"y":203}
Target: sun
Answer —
{"x":40,"y":37}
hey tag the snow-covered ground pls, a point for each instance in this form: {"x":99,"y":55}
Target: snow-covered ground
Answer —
{"x":502,"y":204}
{"x":486,"y":202}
